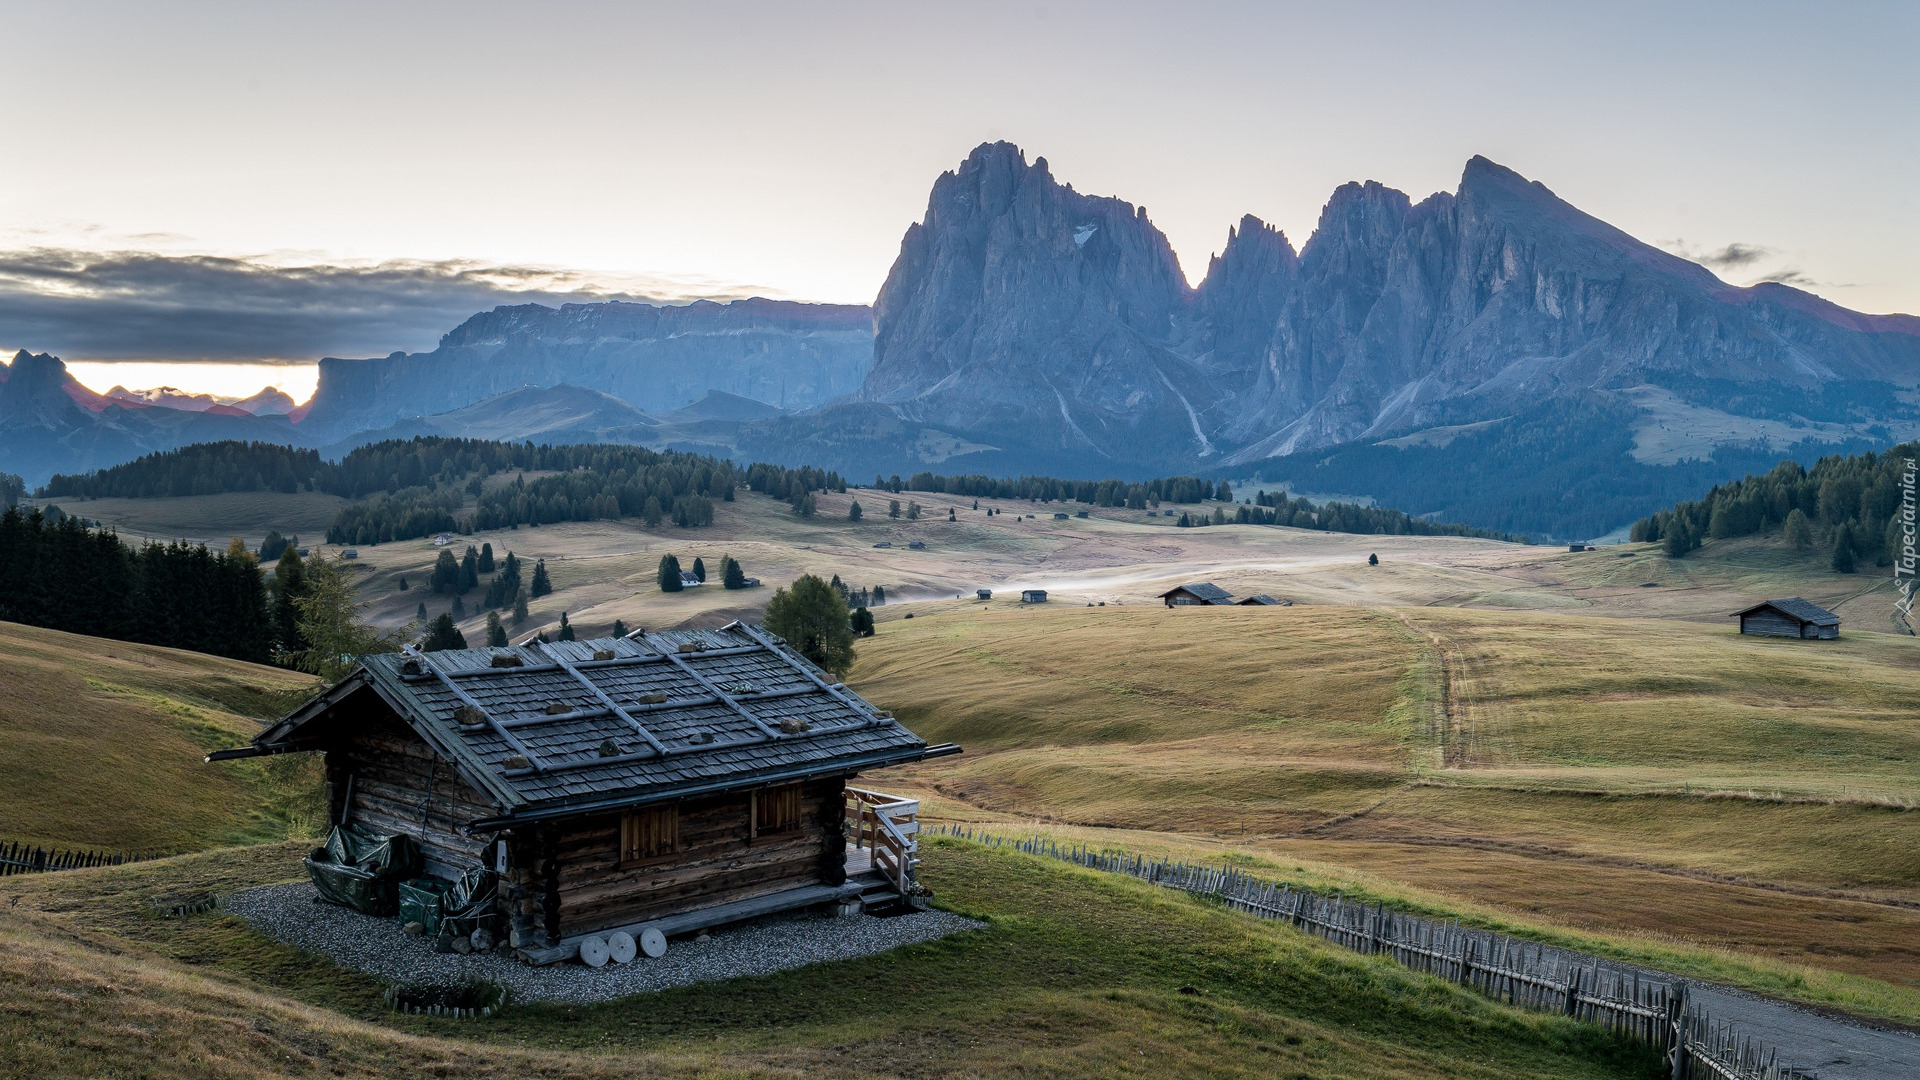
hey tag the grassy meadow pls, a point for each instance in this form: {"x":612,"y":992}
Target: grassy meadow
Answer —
{"x":213,"y":519}
{"x":1664,"y":780}
{"x":1075,"y":975}
{"x":101,"y":745}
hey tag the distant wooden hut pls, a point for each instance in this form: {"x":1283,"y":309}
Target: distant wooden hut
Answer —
{"x":1263,"y":600}
{"x":983,"y":594}
{"x":662,"y":782}
{"x":1789,"y":617}
{"x":1198,"y":594}
{"x":1033,"y":596}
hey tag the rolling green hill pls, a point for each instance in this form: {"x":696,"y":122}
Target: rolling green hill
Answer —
{"x":101,"y":745}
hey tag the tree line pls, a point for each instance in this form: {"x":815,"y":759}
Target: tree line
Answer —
{"x":585,"y":483}
{"x":1276,"y":508}
{"x":1850,"y":505}
{"x":67,"y":576}
{"x":1129,"y":494}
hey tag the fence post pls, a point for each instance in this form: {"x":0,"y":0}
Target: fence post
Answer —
{"x":1676,"y":1023}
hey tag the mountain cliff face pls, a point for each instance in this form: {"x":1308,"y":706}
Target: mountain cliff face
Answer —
{"x":789,"y":355}
{"x":1049,"y":318}
{"x":1027,"y":315}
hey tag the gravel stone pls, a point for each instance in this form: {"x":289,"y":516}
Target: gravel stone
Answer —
{"x":293,"y":913}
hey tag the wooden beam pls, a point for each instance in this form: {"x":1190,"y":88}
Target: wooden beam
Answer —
{"x":467,"y":699}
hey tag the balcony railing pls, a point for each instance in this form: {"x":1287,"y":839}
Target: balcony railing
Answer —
{"x":887,"y":828}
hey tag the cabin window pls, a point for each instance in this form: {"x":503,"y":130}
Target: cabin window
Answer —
{"x":649,"y":833}
{"x":776,"y":810}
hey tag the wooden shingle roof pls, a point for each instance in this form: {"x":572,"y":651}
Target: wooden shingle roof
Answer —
{"x":1204,"y":591}
{"x":618,"y":720}
{"x":1805,"y":611}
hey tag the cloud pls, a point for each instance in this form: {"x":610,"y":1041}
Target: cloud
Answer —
{"x":142,"y":305}
{"x":1733,"y":255}
{"x":1789,"y":276}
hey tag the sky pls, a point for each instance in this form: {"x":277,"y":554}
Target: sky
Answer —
{"x":205,"y":185}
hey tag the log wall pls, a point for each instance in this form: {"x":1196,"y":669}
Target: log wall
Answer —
{"x":718,"y":862}
{"x":401,"y":786}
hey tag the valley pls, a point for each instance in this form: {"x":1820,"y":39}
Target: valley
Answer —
{"x":1575,"y":747}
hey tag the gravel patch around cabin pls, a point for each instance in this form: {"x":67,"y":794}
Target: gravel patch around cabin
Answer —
{"x":293,"y":914}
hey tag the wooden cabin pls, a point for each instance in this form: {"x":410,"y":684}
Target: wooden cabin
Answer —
{"x":1033,"y":596}
{"x":1789,"y":617}
{"x":1263,"y":600}
{"x":1198,"y":594}
{"x":665,"y":781}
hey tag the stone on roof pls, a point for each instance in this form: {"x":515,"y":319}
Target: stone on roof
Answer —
{"x":683,"y":710}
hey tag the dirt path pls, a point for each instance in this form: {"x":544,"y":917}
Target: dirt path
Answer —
{"x":1829,"y":1047}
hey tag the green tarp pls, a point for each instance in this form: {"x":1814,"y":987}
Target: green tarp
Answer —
{"x":363,"y":870}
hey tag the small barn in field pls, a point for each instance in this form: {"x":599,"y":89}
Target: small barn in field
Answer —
{"x":1789,"y":617}
{"x":661,"y":782}
{"x":1198,"y":594}
{"x":1263,"y":600}
{"x":1033,"y":596}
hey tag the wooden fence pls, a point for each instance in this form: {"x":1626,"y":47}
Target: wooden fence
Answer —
{"x":1641,"y":1005}
{"x":18,"y":858}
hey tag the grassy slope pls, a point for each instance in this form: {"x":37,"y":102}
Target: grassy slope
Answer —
{"x":1580,"y":799}
{"x":213,"y":518}
{"x":101,"y":746}
{"x":1078,"y":975}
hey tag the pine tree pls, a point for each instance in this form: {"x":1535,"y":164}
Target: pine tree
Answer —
{"x":486,"y":558}
{"x":699,"y":570}
{"x":446,"y":574}
{"x":420,"y":613}
{"x":913,"y":511}
{"x":861,"y":622}
{"x":496,"y":631}
{"x":1843,"y":550}
{"x":893,"y":508}
{"x":469,"y":569}
{"x":814,"y":620}
{"x":403,"y":583}
{"x":879,"y":596}
{"x":566,"y":628}
{"x":1373,"y":560}
{"x":1798,"y":531}
{"x":289,"y":585}
{"x":520,"y":607}
{"x":619,"y":629}
{"x":1678,"y":543}
{"x":541,"y":584}
{"x":329,"y":621}
{"x":670,"y":574}
{"x":853,"y":510}
{"x":804,"y":504}
{"x":652,"y":512}
{"x":442,"y":634}
{"x":459,"y":607}
{"x":731,"y":575}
